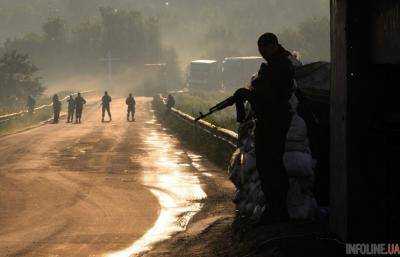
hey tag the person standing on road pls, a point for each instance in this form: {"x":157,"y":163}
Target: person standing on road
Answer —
{"x":105,"y":103}
{"x":170,"y":101}
{"x":71,"y":109}
{"x":31,"y":104}
{"x":56,"y":108}
{"x":131,"y":103}
{"x":79,"y":103}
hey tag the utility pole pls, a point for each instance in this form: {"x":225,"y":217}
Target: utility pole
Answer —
{"x":109,"y":59}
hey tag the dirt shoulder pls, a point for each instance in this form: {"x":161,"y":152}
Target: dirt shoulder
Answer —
{"x":209,"y":231}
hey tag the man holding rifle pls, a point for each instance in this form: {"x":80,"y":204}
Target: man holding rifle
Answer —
{"x":272,"y":90}
{"x":269,"y":96}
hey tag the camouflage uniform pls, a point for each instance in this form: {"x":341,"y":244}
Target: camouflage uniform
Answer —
{"x":105,"y":103}
{"x":31,"y":104}
{"x":71,"y":109}
{"x":79,"y":103}
{"x":56,"y":109}
{"x":131,"y":103}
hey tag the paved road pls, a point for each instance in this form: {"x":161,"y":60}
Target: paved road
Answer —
{"x":94,"y":189}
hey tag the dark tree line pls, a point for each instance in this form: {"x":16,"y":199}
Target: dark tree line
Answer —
{"x":197,"y":28}
{"x":18,"y":78}
{"x":126,"y":33}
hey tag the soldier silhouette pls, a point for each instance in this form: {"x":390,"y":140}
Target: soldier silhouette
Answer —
{"x":71,"y":109}
{"x":105,"y":106}
{"x":56,"y":108}
{"x":272,"y":89}
{"x":30,"y":103}
{"x":79,"y":103}
{"x":131,"y":103}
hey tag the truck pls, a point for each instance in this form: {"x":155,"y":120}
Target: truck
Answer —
{"x":203,"y":74}
{"x":237,"y":71}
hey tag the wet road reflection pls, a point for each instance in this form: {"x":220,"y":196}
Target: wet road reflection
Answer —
{"x":171,"y":178}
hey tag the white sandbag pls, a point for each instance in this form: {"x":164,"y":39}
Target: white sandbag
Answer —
{"x":254,"y":186}
{"x":247,"y":144}
{"x":249,"y":208}
{"x":307,"y":210}
{"x":258,"y":211}
{"x":298,"y":146}
{"x":294,"y":102}
{"x":297,"y":130}
{"x":298,"y":164}
{"x":254,"y":176}
{"x":300,"y":202}
{"x":261,"y":198}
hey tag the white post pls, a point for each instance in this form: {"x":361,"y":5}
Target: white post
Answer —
{"x":109,"y":61}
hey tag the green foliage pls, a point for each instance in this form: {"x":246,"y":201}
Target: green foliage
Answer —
{"x":311,"y":39}
{"x":130,"y":37}
{"x":55,"y":30}
{"x":87,"y":37}
{"x":205,"y":143}
{"x":173,"y":76}
{"x":18,"y":78}
{"x":25,"y":121}
{"x":218,"y":43}
{"x":194,"y":102}
{"x":199,"y":29}
{"x":28,"y":120}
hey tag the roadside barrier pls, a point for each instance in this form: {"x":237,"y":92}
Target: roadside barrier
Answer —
{"x":12,"y":116}
{"x":39,"y":115}
{"x":216,"y":141}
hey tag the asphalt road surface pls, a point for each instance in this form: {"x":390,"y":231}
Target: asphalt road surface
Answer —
{"x":95,"y":189}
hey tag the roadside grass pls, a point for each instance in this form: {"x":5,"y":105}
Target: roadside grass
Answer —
{"x":206,"y":144}
{"x":28,"y":120}
{"x":201,"y":101}
{"x":6,"y":108}
{"x":25,"y":121}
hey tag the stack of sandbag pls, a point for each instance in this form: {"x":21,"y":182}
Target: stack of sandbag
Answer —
{"x":299,"y":165}
{"x":249,"y":198}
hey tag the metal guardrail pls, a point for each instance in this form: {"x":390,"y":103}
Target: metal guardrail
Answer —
{"x":7,"y":117}
{"x":225,"y":135}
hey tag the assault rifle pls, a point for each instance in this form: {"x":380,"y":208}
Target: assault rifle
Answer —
{"x":239,"y":97}
{"x":242,"y":95}
{"x":318,"y":70}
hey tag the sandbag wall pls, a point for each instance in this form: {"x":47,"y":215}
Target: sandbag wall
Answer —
{"x":249,"y":198}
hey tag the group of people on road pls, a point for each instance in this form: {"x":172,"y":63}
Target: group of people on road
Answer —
{"x":75,"y":108}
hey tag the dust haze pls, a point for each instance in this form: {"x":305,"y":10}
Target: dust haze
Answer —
{"x":69,"y":41}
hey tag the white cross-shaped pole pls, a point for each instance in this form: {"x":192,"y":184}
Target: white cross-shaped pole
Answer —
{"x":109,"y":61}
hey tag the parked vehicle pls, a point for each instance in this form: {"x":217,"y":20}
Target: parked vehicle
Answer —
{"x":203,"y":74}
{"x":237,"y":71}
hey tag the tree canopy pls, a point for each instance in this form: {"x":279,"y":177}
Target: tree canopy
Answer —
{"x":18,"y":77}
